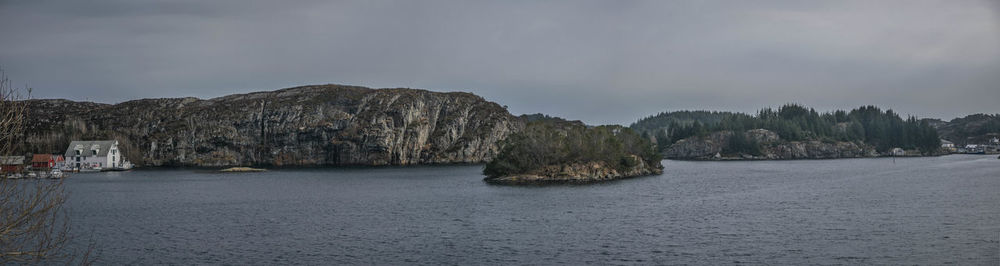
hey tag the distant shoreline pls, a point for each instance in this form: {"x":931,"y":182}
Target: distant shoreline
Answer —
{"x":361,"y":167}
{"x":731,"y":159}
{"x":294,"y":167}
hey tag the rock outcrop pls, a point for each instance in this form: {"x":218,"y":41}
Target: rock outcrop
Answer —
{"x":712,"y":146}
{"x":579,"y":173}
{"x":310,"y":125}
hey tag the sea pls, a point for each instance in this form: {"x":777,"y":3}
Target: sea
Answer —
{"x":910,"y":211}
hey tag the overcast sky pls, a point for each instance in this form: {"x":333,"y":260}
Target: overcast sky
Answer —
{"x":601,"y":62}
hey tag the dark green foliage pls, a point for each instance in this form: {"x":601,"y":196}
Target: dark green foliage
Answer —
{"x":883,"y":129}
{"x":679,"y":132}
{"x":666,"y":120}
{"x":544,"y":143}
{"x":741,"y":143}
{"x":662,"y":141}
{"x":541,"y":117}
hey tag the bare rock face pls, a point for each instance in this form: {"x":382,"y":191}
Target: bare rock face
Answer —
{"x":310,"y":125}
{"x":821,"y":150}
{"x":698,"y":147}
{"x":711,"y":147}
{"x":762,"y":135}
{"x":580,"y":173}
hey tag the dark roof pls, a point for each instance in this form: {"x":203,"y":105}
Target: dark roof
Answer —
{"x":86,"y":147}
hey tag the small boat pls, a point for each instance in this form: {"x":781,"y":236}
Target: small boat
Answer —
{"x":124,"y":166}
{"x":32,"y":175}
{"x":56,"y":173}
{"x":14,"y":176}
{"x":90,"y":170}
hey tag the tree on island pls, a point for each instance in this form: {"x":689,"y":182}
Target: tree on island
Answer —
{"x":546,"y":143}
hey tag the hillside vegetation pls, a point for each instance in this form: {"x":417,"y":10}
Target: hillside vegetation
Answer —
{"x":868,"y":125}
{"x":972,"y":129}
{"x":544,"y":144}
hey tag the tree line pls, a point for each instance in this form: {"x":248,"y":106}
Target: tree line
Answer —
{"x":869,"y":124}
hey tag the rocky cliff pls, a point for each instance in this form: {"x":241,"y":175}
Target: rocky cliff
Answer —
{"x":310,"y":125}
{"x":712,"y":147}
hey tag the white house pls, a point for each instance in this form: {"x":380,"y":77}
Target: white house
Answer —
{"x":94,"y":154}
{"x":947,"y":144}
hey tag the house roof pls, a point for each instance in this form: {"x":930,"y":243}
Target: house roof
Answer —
{"x":944,"y":141}
{"x":87,"y":147}
{"x":12,"y":160}
{"x":41,"y":158}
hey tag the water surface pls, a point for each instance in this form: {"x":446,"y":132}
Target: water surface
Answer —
{"x":932,"y":211}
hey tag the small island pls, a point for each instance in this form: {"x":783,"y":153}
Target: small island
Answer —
{"x":242,"y":170}
{"x":559,"y":151}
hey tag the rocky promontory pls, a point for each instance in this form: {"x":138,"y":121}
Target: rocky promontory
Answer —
{"x":580,"y":172}
{"x":309,"y":125}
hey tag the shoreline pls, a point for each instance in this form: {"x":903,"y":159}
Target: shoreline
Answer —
{"x":320,"y":167}
{"x":555,"y":182}
{"x":740,"y":159}
{"x":297,"y":167}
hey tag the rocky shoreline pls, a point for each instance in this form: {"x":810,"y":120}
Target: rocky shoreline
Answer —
{"x":712,"y":148}
{"x":578,"y":173}
{"x":758,"y":158}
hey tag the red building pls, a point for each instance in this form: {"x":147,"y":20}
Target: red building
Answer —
{"x":45,"y":161}
{"x":11,"y":164}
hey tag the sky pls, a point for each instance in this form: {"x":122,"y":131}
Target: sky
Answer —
{"x":602,"y":62}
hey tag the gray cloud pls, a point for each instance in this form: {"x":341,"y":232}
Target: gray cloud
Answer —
{"x":598,"y":61}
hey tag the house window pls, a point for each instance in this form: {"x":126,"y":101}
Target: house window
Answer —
{"x":78,"y":152}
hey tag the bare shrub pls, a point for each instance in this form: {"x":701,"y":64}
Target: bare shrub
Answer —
{"x":34,"y":227}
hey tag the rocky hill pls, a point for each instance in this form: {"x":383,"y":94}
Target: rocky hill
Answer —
{"x":767,"y":146}
{"x":790,"y":132}
{"x":972,"y":129}
{"x":309,"y":125}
